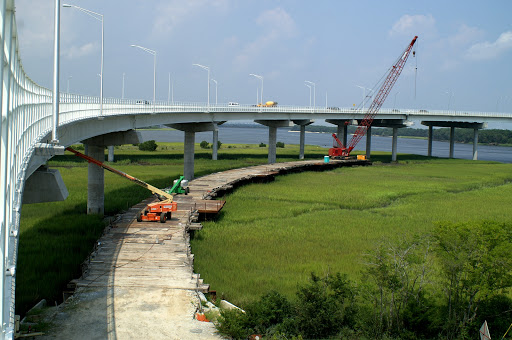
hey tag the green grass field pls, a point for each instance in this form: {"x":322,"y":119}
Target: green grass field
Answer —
{"x":272,"y":236}
{"x":57,"y":237}
{"x":268,"y":236}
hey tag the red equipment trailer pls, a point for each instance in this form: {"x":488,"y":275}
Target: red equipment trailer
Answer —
{"x":341,"y":151}
{"x":154,"y":212}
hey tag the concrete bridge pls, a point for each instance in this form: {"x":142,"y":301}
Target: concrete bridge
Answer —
{"x":28,"y":127}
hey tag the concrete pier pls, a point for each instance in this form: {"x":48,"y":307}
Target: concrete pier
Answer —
{"x":96,"y":182}
{"x":368,"y":142}
{"x":452,"y":125}
{"x":395,"y":144}
{"x":430,"y":137}
{"x":110,"y":153}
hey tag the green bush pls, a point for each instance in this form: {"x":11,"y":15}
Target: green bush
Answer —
{"x":149,"y":145}
{"x":219,"y":143}
{"x":204,"y":144}
{"x":280,"y":144}
{"x":263,"y":145}
{"x":271,"y":310}
{"x":233,"y":323}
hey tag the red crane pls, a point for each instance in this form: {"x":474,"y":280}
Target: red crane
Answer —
{"x":380,"y":97}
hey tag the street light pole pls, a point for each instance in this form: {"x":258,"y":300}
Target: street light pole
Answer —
{"x":207,"y":69}
{"x":215,"y":90}
{"x":309,"y":93}
{"x":56,"y":73}
{"x":122,"y":92}
{"x":394,"y":104}
{"x":98,"y":17}
{"x":261,"y":78}
{"x":154,"y":70}
{"x":314,"y":93}
{"x":67,"y":88}
{"x":364,"y":93}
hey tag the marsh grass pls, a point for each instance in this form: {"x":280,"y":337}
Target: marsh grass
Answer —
{"x":56,"y":237}
{"x":272,"y":236}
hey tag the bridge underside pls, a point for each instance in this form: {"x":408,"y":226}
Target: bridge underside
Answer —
{"x":452,"y":125}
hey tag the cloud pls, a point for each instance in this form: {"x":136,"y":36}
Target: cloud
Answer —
{"x":422,"y":25}
{"x":80,"y":51}
{"x":277,"y":25}
{"x":35,"y":25}
{"x":490,"y":50}
{"x":170,"y":14}
{"x":278,"y":22}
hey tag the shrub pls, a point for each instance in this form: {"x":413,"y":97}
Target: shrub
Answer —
{"x":219,"y":143}
{"x":149,"y":145}
{"x":263,"y":145}
{"x":272,"y":309}
{"x":324,"y":306}
{"x":280,"y":144}
{"x":204,"y":144}
{"x":233,"y":323}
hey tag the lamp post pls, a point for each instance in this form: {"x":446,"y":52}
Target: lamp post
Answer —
{"x":450,"y":95}
{"x":122,"y":89}
{"x":260,"y":78}
{"x":98,"y":17}
{"x":207,"y":69}
{"x":215,"y":90}
{"x":154,"y":70}
{"x":169,"y":93}
{"x":394,"y":103}
{"x":364,"y":93}
{"x":67,"y":88}
{"x":309,"y":93}
{"x":314,"y":93}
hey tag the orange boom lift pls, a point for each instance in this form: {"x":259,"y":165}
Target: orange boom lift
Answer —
{"x":158,"y":211}
{"x":341,"y":151}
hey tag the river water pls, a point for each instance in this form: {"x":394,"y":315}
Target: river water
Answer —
{"x":243,"y":135}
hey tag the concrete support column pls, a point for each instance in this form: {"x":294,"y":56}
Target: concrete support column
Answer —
{"x":96,"y":182}
{"x":452,"y":140}
{"x":339,"y":133}
{"x":215,"y":144}
{"x":430,"y":137}
{"x":394,"y":144}
{"x":302,"y":141}
{"x":188,"y":156}
{"x":272,"y":140}
{"x":475,"y":144}
{"x":110,"y":153}
{"x":368,"y":141}
{"x":342,"y":133}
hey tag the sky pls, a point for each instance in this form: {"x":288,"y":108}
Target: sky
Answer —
{"x":462,"y":60}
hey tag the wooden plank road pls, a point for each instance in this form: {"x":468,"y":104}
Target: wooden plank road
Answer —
{"x":146,"y":268}
{"x":135,"y":254}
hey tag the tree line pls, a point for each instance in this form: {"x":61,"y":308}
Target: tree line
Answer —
{"x":440,"y":285}
{"x":491,"y":136}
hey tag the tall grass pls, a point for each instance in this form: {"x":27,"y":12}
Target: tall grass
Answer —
{"x":56,"y":237}
{"x":271,"y":236}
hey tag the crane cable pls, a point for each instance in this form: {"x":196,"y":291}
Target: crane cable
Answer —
{"x":415,"y":69}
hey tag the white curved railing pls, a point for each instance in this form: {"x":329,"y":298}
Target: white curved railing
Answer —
{"x":26,"y":119}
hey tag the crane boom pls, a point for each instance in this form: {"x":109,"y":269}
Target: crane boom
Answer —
{"x":137,"y":181}
{"x":379,"y":99}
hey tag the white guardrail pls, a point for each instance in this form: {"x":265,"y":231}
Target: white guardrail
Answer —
{"x":27,"y":118}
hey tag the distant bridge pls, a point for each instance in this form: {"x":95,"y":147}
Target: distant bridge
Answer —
{"x":26,"y":139}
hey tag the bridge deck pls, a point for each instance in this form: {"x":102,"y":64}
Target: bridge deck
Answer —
{"x":147,"y":267}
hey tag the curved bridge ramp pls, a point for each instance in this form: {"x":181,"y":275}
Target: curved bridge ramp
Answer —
{"x":139,"y":282}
